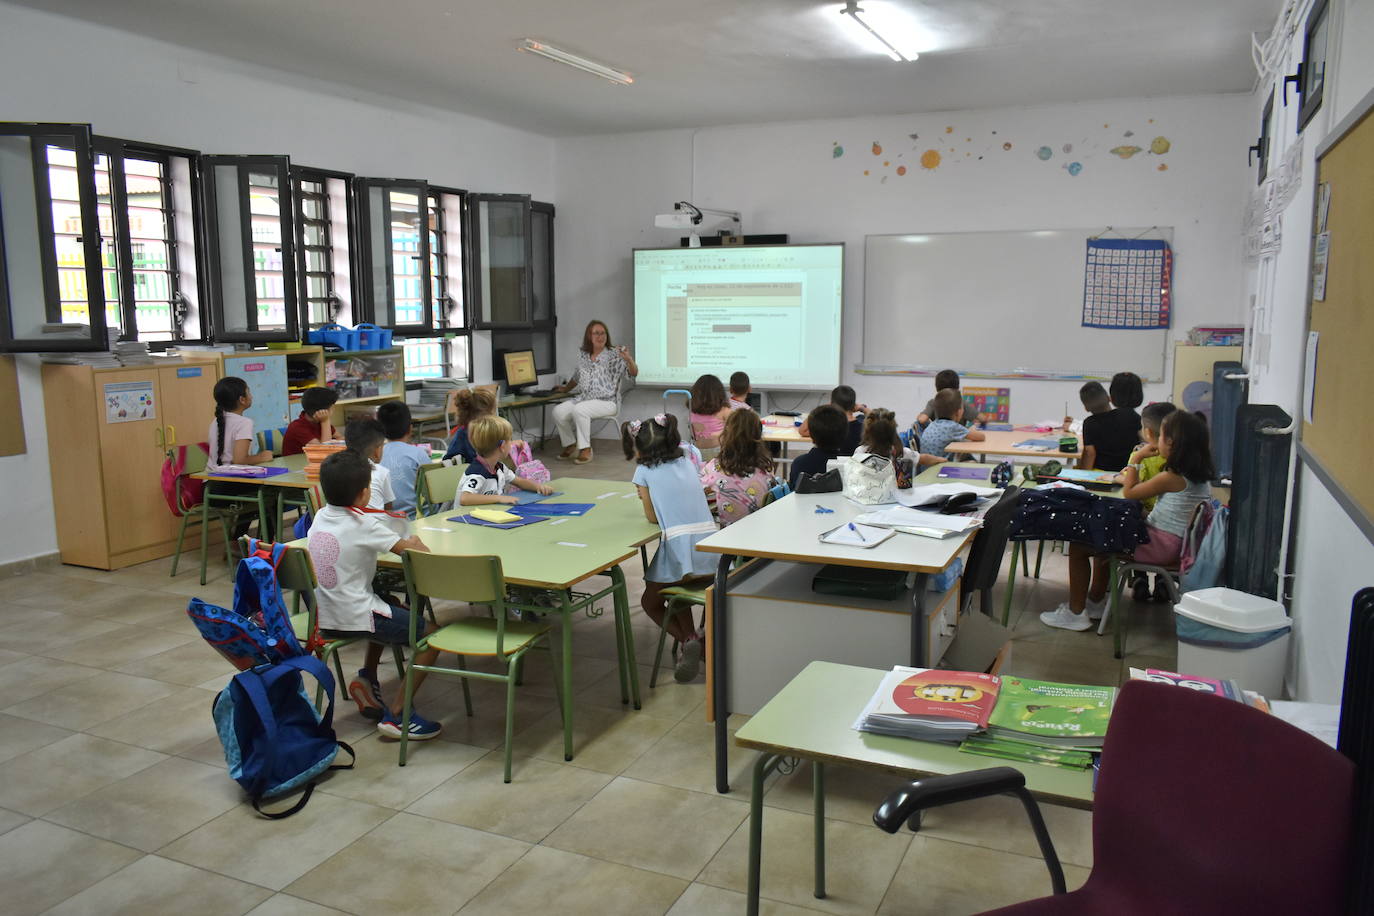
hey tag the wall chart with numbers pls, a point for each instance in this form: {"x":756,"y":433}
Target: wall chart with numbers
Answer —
{"x":1127,"y":284}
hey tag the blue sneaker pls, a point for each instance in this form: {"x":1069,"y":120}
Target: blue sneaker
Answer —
{"x":421,"y":729}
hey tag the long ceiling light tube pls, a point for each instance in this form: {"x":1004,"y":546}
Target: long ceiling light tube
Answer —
{"x":618,"y":77}
{"x":853,"y":10}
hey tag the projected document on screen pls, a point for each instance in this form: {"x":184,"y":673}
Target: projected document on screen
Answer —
{"x":773,"y":312}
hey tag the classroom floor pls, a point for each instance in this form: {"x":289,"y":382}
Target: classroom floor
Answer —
{"x":114,"y":795}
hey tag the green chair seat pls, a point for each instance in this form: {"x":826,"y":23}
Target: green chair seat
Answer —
{"x":477,"y":636}
{"x":300,"y":625}
{"x":691,"y":595}
{"x":681,"y":599}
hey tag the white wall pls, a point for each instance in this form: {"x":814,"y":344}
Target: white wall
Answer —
{"x":58,"y":69}
{"x":1332,"y":557}
{"x":784,"y":178}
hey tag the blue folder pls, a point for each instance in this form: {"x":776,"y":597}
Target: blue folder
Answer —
{"x":543,"y":510}
{"x":526,"y":497}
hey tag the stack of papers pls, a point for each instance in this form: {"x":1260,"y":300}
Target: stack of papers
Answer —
{"x":929,"y":704}
{"x":856,"y":535}
{"x":914,"y":521}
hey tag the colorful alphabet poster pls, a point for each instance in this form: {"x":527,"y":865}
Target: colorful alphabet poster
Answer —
{"x":1127,"y":284}
{"x":129,"y":401}
{"x":995,"y":402}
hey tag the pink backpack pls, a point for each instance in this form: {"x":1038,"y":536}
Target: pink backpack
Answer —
{"x":527,"y":466}
{"x":182,"y":492}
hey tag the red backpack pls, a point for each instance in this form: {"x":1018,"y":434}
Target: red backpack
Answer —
{"x":182,"y":492}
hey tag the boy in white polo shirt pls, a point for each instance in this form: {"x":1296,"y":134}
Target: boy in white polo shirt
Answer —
{"x":368,"y":438}
{"x":344,"y":543}
{"x":486,"y":479}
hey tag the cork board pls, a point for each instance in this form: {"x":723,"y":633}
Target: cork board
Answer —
{"x":11,"y":417}
{"x":1340,"y":435}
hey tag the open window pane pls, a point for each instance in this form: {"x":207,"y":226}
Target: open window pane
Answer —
{"x":397,"y":237}
{"x":53,"y":298}
{"x":252,"y":251}
{"x":501,"y":237}
{"x":541,"y":262}
{"x":324,"y":246}
{"x":446,"y":258}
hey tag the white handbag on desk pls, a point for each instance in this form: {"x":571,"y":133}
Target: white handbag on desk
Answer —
{"x":870,"y":480}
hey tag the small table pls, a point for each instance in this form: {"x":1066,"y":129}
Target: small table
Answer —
{"x":276,"y":485}
{"x":813,"y":718}
{"x":1002,"y":442}
{"x":515,"y":402}
{"x":554,"y":556}
{"x":789,"y":529}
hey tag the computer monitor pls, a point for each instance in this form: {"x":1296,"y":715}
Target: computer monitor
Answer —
{"x":520,"y":369}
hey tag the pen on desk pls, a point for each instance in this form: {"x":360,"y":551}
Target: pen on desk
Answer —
{"x":858,"y":532}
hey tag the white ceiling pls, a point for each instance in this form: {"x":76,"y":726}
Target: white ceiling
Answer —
{"x":710,"y":62}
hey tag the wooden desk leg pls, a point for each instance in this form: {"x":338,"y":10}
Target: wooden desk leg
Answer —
{"x":818,"y":791}
{"x":622,"y":610}
{"x":565,"y":601}
{"x":765,"y":764}
{"x":720,"y":677}
{"x":918,"y":623}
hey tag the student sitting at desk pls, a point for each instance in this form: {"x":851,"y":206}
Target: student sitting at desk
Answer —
{"x":1151,"y":420}
{"x":880,"y":438}
{"x":742,"y":473}
{"x":231,"y":433}
{"x":367,"y":438}
{"x":343,"y":547}
{"x":826,"y":426}
{"x":739,"y":391}
{"x":312,"y":426}
{"x":948,"y":425}
{"x":469,"y":404}
{"x":487,"y":478}
{"x":945,"y":378}
{"x":401,"y":457}
{"x":1110,"y":434}
{"x":672,"y":496}
{"x":710,"y":408}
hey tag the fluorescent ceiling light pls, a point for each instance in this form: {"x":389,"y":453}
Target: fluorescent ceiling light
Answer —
{"x":854,"y":13}
{"x":572,"y":60}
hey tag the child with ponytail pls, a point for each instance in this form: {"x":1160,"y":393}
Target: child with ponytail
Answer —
{"x":231,"y":433}
{"x":673,"y":498}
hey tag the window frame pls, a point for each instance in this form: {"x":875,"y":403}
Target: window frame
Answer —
{"x":281,"y":165}
{"x":474,"y":236}
{"x":1311,"y":90}
{"x":41,"y":135}
{"x":362,"y":202}
{"x":309,"y":173}
{"x":449,"y":335}
{"x":506,"y":338}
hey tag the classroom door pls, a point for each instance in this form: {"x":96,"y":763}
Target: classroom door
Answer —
{"x":130,"y":415}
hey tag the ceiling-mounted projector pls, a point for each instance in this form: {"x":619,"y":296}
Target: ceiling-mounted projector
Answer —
{"x":688,"y":216}
{"x":676,"y":221}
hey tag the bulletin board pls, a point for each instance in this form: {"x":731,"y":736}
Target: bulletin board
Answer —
{"x":1337,"y":434}
{"x":11,"y":417}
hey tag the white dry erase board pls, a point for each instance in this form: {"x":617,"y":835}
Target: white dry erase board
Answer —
{"x":995,"y":305}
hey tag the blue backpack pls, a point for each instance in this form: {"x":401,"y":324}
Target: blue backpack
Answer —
{"x":274,"y":739}
{"x":257,"y":631}
{"x":1203,"y":561}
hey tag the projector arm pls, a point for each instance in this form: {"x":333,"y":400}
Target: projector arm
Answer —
{"x":698,"y":213}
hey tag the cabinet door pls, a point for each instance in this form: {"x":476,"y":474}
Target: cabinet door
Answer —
{"x":129,"y":414}
{"x":188,"y":402}
{"x":265,"y":374}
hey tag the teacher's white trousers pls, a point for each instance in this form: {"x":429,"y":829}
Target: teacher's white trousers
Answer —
{"x":574,"y":420}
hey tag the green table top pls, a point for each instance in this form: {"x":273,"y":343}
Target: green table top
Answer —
{"x":552,"y":554}
{"x":813,"y":717}
{"x":295,"y":477}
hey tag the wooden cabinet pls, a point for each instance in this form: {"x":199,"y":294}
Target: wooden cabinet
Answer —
{"x":108,"y":430}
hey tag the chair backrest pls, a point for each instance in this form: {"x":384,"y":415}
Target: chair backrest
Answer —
{"x":270,"y":439}
{"x":1356,"y":739}
{"x":775,"y":493}
{"x":435,"y":484}
{"x":1206,"y":805}
{"x":474,"y":580}
{"x":985,"y":556}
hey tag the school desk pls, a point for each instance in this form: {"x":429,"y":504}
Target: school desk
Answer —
{"x":556,"y":555}
{"x":789,"y":529}
{"x":271,"y":489}
{"x":512,"y":404}
{"x":813,"y":718}
{"x":1002,"y":442}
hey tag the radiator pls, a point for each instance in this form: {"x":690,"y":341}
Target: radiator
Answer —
{"x":1259,"y":494}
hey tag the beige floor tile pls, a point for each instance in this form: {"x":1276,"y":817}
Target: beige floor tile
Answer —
{"x":705,"y":900}
{"x":82,"y":598}
{"x":36,"y":631}
{"x":12,"y":819}
{"x":603,"y":739}
{"x":111,"y":650}
{"x":153,"y":807}
{"x":686,"y":758}
{"x":158,"y":609}
{"x":173,"y":725}
{"x":378,"y":780}
{"x":432,"y":866}
{"x":39,"y":781}
{"x":851,"y":794}
{"x":42,"y":864}
{"x":10,"y":655}
{"x":939,"y":877}
{"x":154,"y":886}
{"x":860,"y":861}
{"x":52,"y":587}
{"x":19,"y":736}
{"x":541,"y":796}
{"x":90,"y":701}
{"x":636,"y":823}
{"x":575,"y":886}
{"x":586,"y":670}
{"x":668,"y":700}
{"x":208,"y":751}
{"x":242,"y":844}
{"x":1000,"y":823}
{"x":486,"y":727}
{"x":286,"y":905}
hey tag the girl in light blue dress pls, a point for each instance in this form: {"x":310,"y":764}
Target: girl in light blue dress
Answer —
{"x":673,"y":498}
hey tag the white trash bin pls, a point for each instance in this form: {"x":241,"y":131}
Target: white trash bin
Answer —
{"x":1229,"y":634}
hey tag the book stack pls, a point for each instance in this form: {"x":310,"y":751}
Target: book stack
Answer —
{"x":132,"y":353}
{"x":315,"y":455}
{"x":930,"y":704}
{"x":1046,"y":722}
{"x":1229,"y":689}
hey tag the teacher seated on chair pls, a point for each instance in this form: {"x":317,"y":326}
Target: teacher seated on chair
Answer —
{"x":600,"y":367}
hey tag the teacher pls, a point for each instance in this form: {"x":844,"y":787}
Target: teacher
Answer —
{"x":600,"y":367}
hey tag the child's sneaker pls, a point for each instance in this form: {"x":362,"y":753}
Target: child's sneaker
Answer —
{"x":1140,"y":587}
{"x":421,"y":729}
{"x":1095,"y":609}
{"x":367,"y":693}
{"x":1162,"y":591}
{"x":689,"y":663}
{"x":1064,"y":619}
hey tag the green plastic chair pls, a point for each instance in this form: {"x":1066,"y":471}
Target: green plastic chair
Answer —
{"x":435,"y":485}
{"x":474,"y":580}
{"x":296,"y":574}
{"x":680,"y":600}
{"x":226,"y":508}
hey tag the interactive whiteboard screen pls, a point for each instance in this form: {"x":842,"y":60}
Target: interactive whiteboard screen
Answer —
{"x":772,"y":311}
